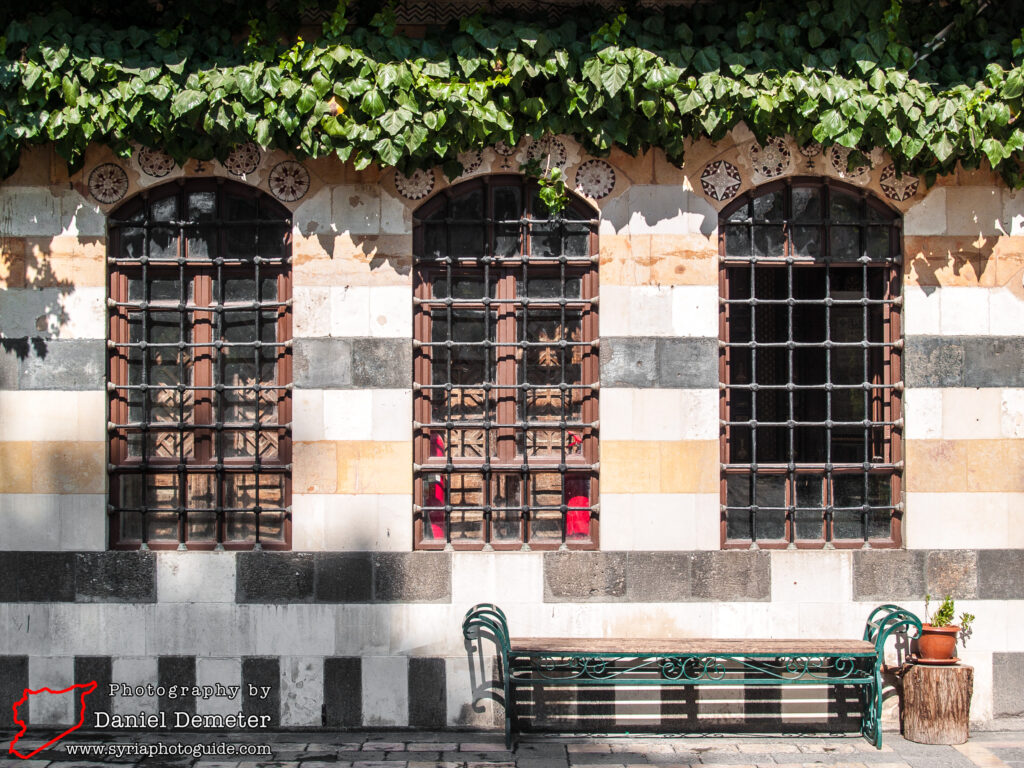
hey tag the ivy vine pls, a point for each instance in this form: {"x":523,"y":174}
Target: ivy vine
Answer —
{"x":932,"y":84}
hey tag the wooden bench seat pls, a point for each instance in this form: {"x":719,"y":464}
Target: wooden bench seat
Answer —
{"x":574,"y":661}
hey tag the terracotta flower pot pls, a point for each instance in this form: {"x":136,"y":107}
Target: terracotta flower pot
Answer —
{"x":937,"y":642}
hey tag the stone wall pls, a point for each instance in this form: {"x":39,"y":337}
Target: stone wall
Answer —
{"x":352,"y":604}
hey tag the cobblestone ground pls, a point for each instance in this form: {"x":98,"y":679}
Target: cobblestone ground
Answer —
{"x":988,"y":749}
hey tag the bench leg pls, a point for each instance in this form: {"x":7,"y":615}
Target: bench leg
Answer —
{"x":871,"y":719}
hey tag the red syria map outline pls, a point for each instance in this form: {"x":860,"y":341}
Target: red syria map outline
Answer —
{"x":87,"y":688}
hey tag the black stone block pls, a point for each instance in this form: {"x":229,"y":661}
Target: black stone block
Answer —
{"x":70,"y":365}
{"x":343,"y":577}
{"x":889,"y":574}
{"x":37,"y":577}
{"x":274,"y":577}
{"x":262,"y":672}
{"x":688,"y":363}
{"x":322,"y":363}
{"x":1008,"y":684}
{"x":96,"y":669}
{"x":732,"y":576}
{"x":934,"y":361}
{"x":629,"y":361}
{"x":382,"y":363}
{"x":115,"y":577}
{"x":343,"y":692}
{"x":952,"y":572}
{"x":177,"y":671}
{"x":428,"y":706}
{"x":13,"y":682}
{"x":589,"y":577}
{"x":1001,"y":574}
{"x":412,"y":577}
{"x":994,"y":361}
{"x":659,"y":577}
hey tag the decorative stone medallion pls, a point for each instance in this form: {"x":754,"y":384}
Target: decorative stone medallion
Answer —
{"x":289,"y":181}
{"x":549,"y":151}
{"x":504,"y":149}
{"x":108,"y":183}
{"x":898,"y":188}
{"x":154,"y":162}
{"x":720,"y":180}
{"x":243,"y":159}
{"x":773,"y":159}
{"x":595,"y":179}
{"x":415,"y":187}
{"x":839,"y":157}
{"x":470,"y":160}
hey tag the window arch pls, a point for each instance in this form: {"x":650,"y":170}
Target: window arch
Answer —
{"x":505,"y":369}
{"x":200,"y":368}
{"x":810,"y":367}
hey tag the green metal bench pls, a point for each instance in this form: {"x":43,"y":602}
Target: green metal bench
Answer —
{"x":541,"y":662}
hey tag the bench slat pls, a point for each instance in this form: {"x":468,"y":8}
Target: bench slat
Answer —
{"x":707,"y":646}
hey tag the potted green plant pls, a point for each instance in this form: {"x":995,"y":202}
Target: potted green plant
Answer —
{"x":937,"y":642}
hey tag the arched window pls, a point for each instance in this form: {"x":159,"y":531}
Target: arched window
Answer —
{"x":505,"y":370}
{"x":200,"y":368}
{"x":810,"y":367}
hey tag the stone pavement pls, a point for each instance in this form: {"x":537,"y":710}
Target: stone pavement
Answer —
{"x":452,"y":749}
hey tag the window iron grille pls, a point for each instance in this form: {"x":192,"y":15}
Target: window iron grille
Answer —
{"x":200,"y":369}
{"x":505,"y":423}
{"x":810,"y":368}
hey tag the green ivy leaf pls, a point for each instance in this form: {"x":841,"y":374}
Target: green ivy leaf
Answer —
{"x":307,"y":100}
{"x":185,"y":102}
{"x":372,"y":103}
{"x":613,"y":77}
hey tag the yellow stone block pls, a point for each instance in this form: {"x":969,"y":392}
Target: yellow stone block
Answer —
{"x":639,"y":170}
{"x":348,"y":259}
{"x":995,"y":465}
{"x":314,"y":467}
{"x":624,"y":260}
{"x":15,"y":467}
{"x":936,"y":465}
{"x":68,"y":467}
{"x":374,"y":466}
{"x":681,"y":466}
{"x":12,"y":262}
{"x":683,"y":260}
{"x":65,"y":261}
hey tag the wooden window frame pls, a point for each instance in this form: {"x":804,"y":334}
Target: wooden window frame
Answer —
{"x":507,"y":337}
{"x":205,"y":458}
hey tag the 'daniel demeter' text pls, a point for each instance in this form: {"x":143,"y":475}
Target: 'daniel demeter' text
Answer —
{"x":177,"y":719}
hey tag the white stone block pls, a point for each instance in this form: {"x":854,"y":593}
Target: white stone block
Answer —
{"x":97,"y":629}
{"x":675,"y":414}
{"x":1011,"y":413}
{"x":27,"y":628}
{"x":1016,"y":525}
{"x":965,"y":310}
{"x":615,"y":408}
{"x":348,"y":414}
{"x":497,"y":577}
{"x":56,"y":673}
{"x":829,"y":619}
{"x":226,"y":629}
{"x":614,"y":319}
{"x":971,"y":414}
{"x":394,"y":531}
{"x":313,"y":216}
{"x":80,"y":314}
{"x":927,"y":217}
{"x":707,"y":518}
{"x":921,"y":315}
{"x":922,"y":411}
{"x":695,"y":310}
{"x":1007,"y":313}
{"x":181,"y":577}
{"x":135,"y":672}
{"x":395,"y":217}
{"x":958,"y":520}
{"x":298,"y":628}
{"x":424,"y":629}
{"x":302,"y":690}
{"x":224,"y":672}
{"x":386,"y":699}
{"x":811,"y":576}
{"x":308,"y":511}
{"x":391,"y":414}
{"x":973,"y":211}
{"x":29,"y":211}
{"x":350,"y":311}
{"x":92,"y":416}
{"x":362,"y":630}
{"x":308,"y":415}
{"x":1013,"y":212}
{"x":29,"y":521}
{"x":52,"y":415}
{"x":658,"y":521}
{"x":468,"y":690}
{"x":355,"y":208}
{"x":390,"y":311}
{"x":311,"y":311}
{"x":83,"y":522}
{"x":981,"y":699}
{"x":81,"y":217}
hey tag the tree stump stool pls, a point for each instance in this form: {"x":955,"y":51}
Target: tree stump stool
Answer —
{"x":937,"y":703}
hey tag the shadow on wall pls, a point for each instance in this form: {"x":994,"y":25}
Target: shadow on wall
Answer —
{"x":34,"y":299}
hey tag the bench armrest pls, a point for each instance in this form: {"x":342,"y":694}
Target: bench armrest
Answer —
{"x":886,"y":619}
